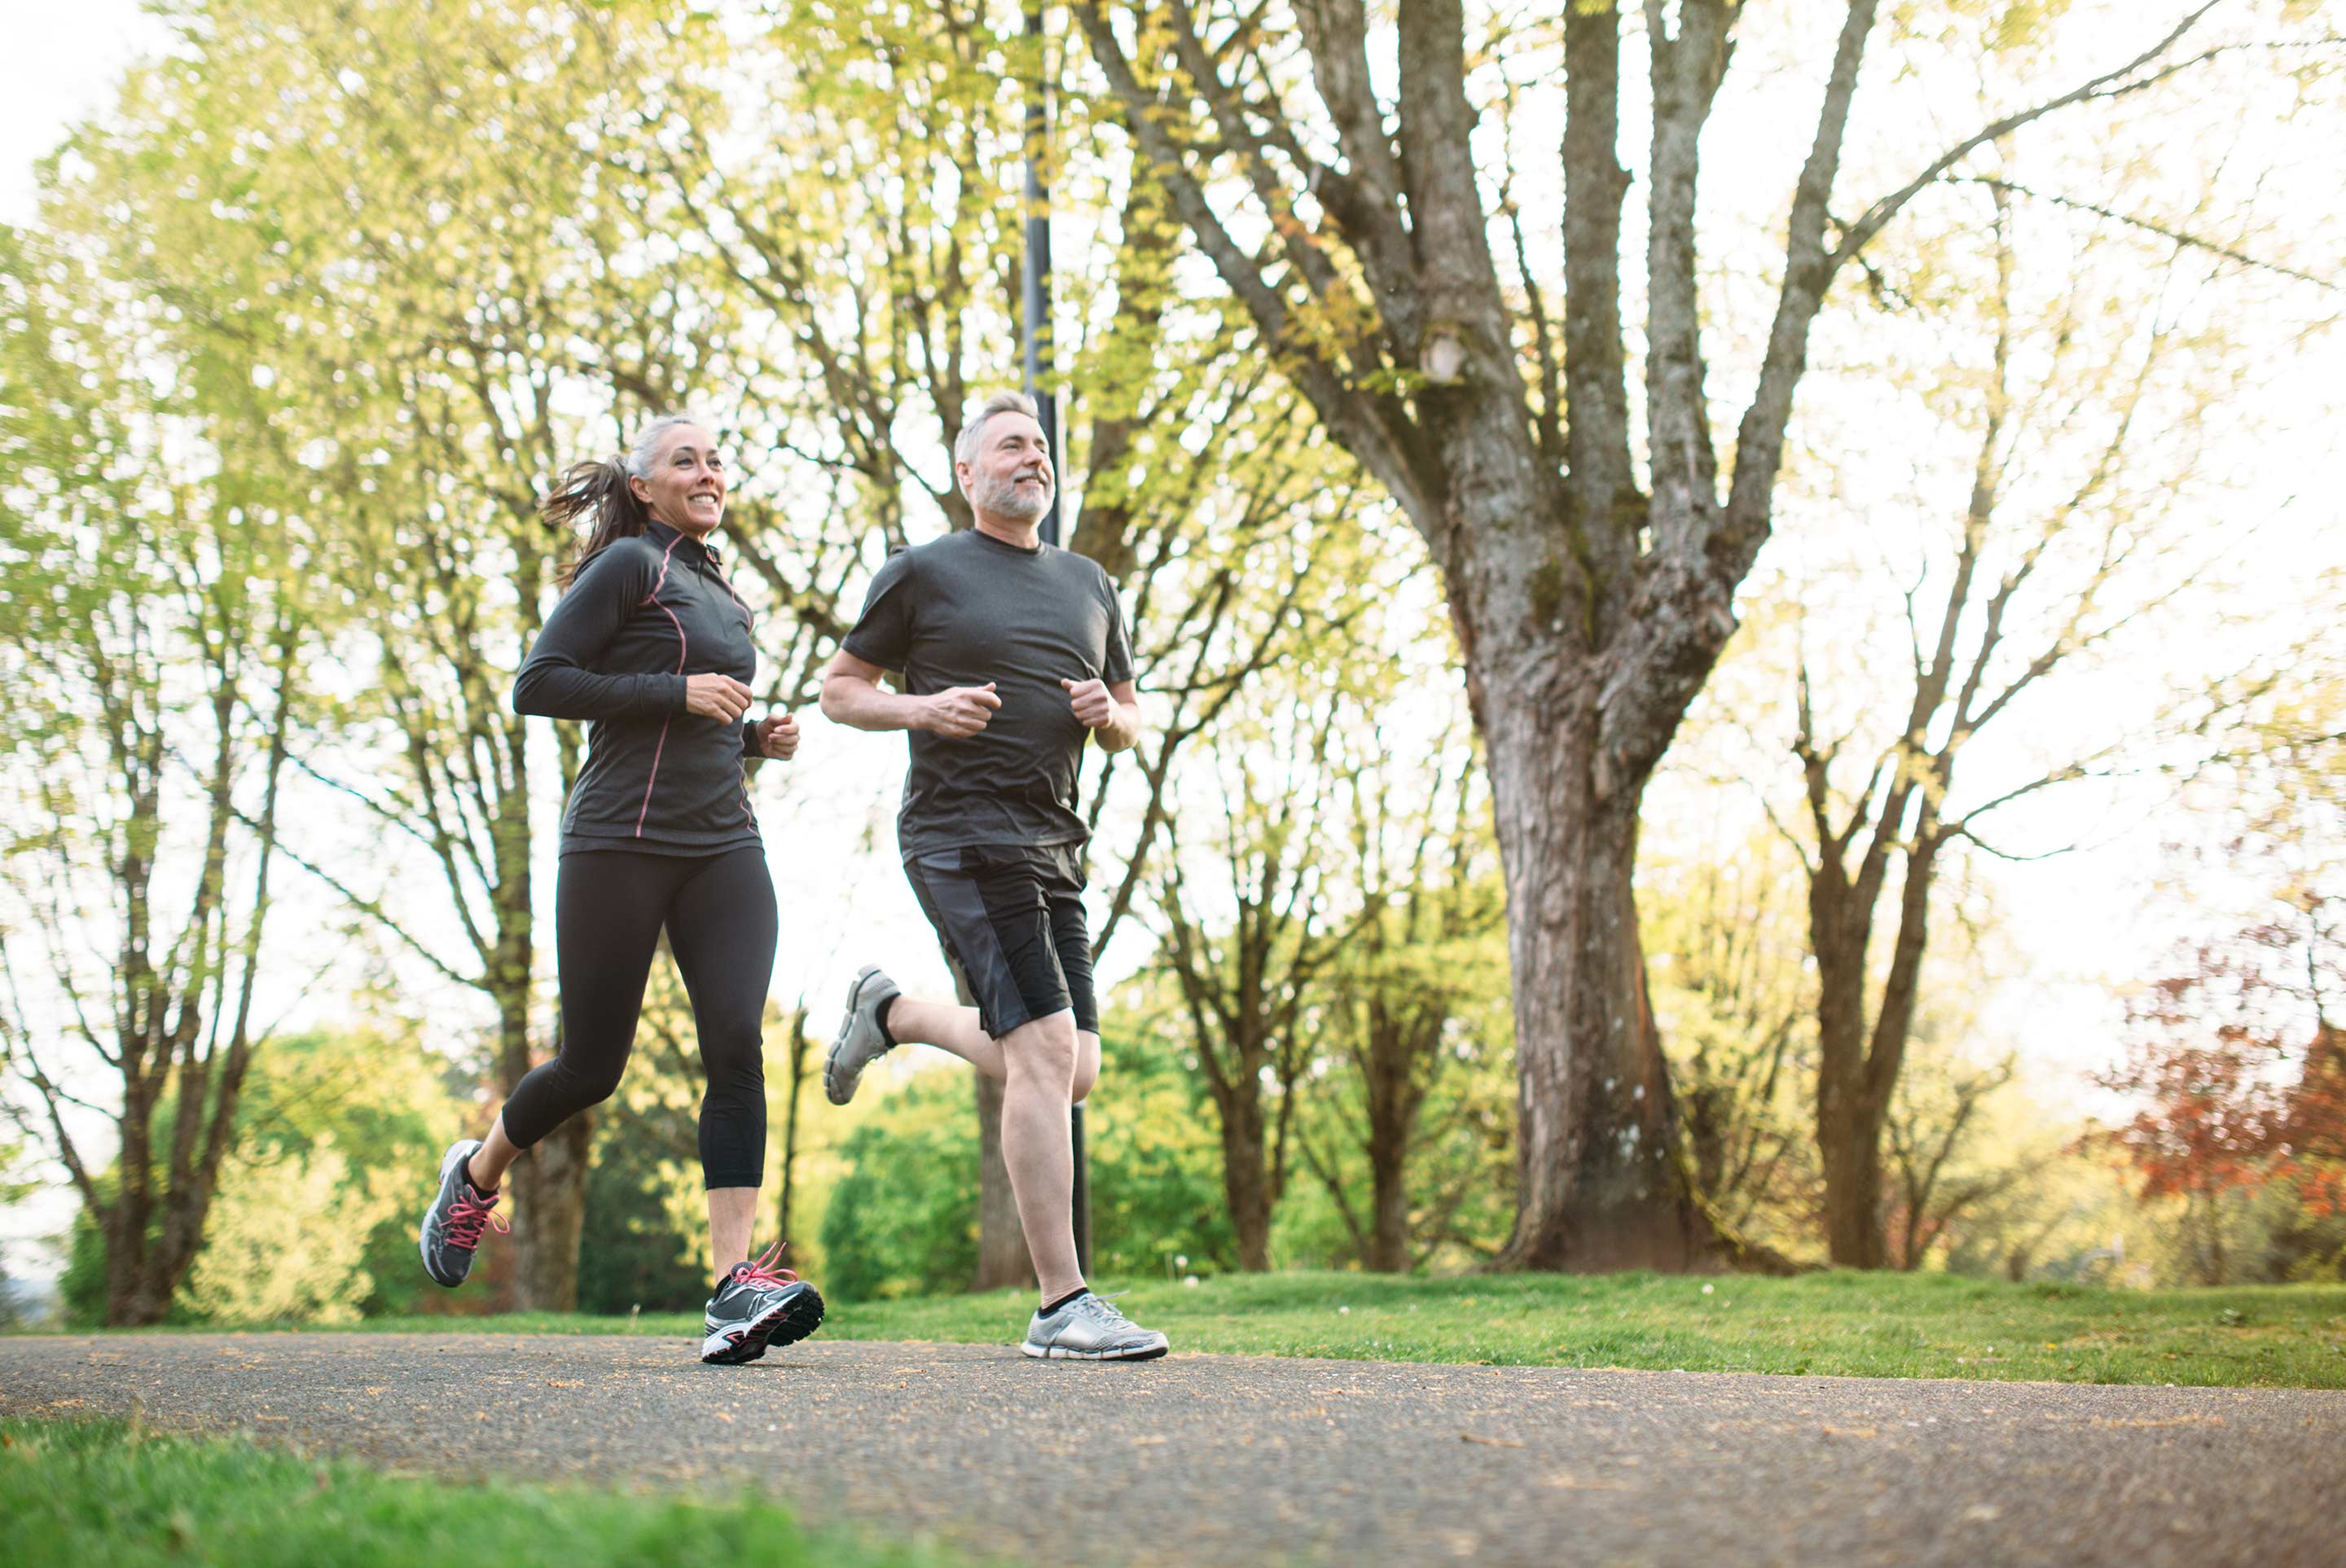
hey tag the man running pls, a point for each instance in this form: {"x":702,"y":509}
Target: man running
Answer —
{"x":1012,"y":652}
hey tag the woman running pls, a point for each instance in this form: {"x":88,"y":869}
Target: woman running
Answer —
{"x":649,"y":644}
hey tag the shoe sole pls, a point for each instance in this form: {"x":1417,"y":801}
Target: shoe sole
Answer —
{"x":787,"y":1324}
{"x":830,"y":1060}
{"x":425,"y":1252}
{"x":423,"y":1246}
{"x":1061,"y":1353}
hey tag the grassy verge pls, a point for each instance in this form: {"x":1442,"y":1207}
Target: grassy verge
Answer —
{"x":1845,"y":1324}
{"x":104,"y":1493}
{"x":1926,"y":1325}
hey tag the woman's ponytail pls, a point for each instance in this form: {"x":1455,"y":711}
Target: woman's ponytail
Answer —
{"x":599,"y":493}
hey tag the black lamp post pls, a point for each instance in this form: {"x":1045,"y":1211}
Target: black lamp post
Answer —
{"x":1036,"y":273}
{"x":1035,"y":298}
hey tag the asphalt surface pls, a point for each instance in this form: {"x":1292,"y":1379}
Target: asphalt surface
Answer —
{"x":1214,"y":1460}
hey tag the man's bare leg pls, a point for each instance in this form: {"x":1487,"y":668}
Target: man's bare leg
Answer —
{"x":1041,"y":1064}
{"x":947,"y":1027}
{"x":1039,"y":1059}
{"x":955,"y":1029}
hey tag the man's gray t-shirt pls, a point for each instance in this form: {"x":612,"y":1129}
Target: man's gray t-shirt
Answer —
{"x":967,"y":609}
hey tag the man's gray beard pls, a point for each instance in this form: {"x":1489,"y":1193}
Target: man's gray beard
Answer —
{"x":1001,"y":498}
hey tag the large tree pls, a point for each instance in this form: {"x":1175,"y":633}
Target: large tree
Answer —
{"x":2069,"y":517}
{"x":437,"y":285}
{"x":152,"y":642}
{"x":1591,"y":575}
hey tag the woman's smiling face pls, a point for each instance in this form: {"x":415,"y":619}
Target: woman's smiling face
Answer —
{"x":685,"y":486}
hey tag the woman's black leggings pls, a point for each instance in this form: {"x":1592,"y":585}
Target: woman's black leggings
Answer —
{"x":608,"y":907}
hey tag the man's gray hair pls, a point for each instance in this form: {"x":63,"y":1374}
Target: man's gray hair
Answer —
{"x":646,"y":444}
{"x":965,"y":445}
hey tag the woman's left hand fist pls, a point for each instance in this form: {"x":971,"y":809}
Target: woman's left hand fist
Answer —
{"x":777,"y":735}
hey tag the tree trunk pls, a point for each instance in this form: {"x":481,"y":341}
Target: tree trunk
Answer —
{"x":549,"y":1182}
{"x":1848,"y":1132}
{"x":1848,"y":1147}
{"x":1857,"y":1065}
{"x":1397,"y":1037}
{"x":1600,"y":1188}
{"x":137,"y":1307}
{"x":1851,"y":1108}
{"x":1002,"y":1260}
{"x":801,"y":1048}
{"x":1246,"y":1185}
{"x":129,"y":1303}
{"x":1388,"y":1239}
{"x":549,"y":1212}
{"x":1707,"y":1122}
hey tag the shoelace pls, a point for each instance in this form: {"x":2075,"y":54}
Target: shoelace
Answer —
{"x":765,"y":1269}
{"x":1104,"y":1310}
{"x":468,"y":1214}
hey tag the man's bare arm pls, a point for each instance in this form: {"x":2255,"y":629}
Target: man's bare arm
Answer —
{"x":852,"y":696}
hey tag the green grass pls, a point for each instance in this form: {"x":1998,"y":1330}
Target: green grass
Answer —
{"x":1843,"y":1324}
{"x":1876,"y":1326}
{"x":106,"y":1492}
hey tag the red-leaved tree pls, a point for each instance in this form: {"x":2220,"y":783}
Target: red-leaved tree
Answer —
{"x":2240,"y":1061}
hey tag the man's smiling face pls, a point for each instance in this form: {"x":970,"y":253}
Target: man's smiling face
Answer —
{"x":1011,"y":475}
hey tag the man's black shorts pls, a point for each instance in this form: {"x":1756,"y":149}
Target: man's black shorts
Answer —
{"x":1012,"y":916}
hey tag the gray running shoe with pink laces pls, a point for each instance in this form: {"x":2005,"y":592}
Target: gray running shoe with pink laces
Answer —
{"x":451,"y":1236}
{"x":758,"y":1304}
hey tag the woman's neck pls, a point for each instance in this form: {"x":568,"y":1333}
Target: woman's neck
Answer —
{"x":698,"y":534}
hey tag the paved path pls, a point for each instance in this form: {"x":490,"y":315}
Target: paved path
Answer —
{"x":1214,"y":1460}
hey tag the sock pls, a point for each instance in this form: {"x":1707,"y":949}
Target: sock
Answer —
{"x":880,"y":1016}
{"x":476,"y":1187}
{"x":1054,"y":1306}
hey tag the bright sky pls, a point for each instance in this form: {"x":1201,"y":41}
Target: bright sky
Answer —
{"x":63,"y":64}
{"x":2080,"y":921}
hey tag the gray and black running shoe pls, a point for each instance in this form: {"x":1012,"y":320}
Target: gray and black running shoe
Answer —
{"x":861,"y":1040}
{"x":451,"y":1226}
{"x":759,"y":1305}
{"x":1090,"y":1328}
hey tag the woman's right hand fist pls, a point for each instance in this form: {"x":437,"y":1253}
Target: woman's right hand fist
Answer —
{"x":716,"y":697}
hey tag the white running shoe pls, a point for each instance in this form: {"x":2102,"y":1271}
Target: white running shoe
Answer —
{"x":1090,"y":1328}
{"x":861,"y":1040}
